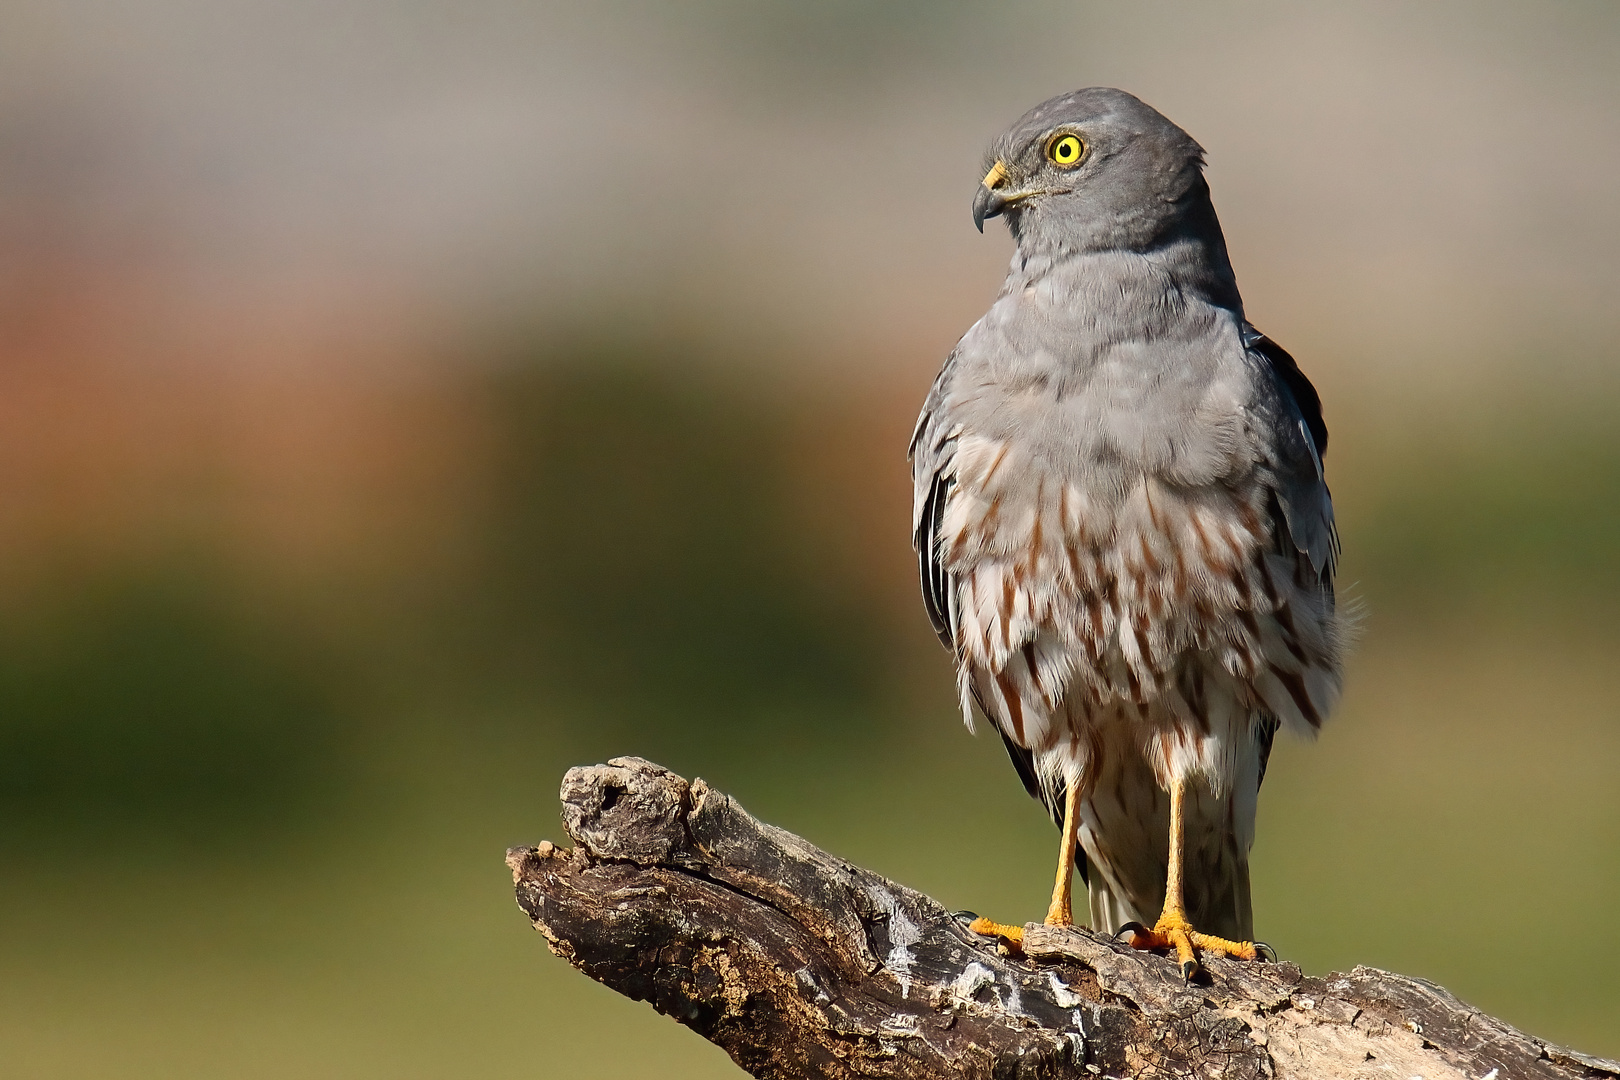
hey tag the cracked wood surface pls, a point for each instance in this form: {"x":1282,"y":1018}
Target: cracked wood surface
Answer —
{"x":802,"y":965}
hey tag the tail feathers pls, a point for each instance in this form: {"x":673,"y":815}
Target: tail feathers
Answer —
{"x":1242,"y":906}
{"x":1218,"y":893}
{"x":1221,"y":907}
{"x":1110,"y":911}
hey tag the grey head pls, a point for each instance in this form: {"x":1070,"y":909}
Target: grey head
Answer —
{"x":1098,"y":170}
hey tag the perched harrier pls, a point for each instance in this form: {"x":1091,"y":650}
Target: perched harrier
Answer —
{"x":1122,"y":525}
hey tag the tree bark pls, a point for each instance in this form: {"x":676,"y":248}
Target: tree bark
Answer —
{"x":801,"y":965}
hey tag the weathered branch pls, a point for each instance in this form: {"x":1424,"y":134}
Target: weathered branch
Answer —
{"x":801,"y":965}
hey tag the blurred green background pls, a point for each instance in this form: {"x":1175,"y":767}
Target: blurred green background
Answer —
{"x":400,"y":404}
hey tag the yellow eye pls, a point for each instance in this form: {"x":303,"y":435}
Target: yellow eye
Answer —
{"x":1065,"y":150}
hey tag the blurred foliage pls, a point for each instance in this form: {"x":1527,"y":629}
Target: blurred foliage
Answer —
{"x":148,"y":712}
{"x":640,"y":548}
{"x":1531,"y":513}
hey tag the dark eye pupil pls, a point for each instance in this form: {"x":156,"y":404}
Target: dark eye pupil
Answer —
{"x":1067,"y":150}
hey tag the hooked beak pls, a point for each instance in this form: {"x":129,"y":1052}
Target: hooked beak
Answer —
{"x":995,"y":195}
{"x":989,"y":201}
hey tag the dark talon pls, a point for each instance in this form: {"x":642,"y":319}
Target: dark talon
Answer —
{"x":964,"y":916}
{"x":1266,"y":952}
{"x":1189,"y":968}
{"x":1133,"y":927}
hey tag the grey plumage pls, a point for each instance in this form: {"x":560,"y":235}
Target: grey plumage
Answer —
{"x":1123,"y":528}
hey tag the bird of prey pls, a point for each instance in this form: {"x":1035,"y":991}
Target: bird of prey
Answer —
{"x":1122,"y":524}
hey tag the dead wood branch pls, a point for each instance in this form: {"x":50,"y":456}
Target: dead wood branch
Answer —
{"x":800,"y":965}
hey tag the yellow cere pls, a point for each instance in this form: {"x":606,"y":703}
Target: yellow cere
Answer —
{"x":1065,"y":150}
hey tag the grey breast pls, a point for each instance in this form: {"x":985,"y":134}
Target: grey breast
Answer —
{"x":1096,"y":381}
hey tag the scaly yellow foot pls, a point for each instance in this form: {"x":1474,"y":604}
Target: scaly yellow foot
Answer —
{"x":1012,"y":935}
{"x":1173,"y":931}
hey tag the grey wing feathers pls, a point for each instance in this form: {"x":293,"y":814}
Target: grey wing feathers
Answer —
{"x":1265,"y":733}
{"x":1306,"y":399}
{"x":937,"y":583}
{"x":1301,"y":485}
{"x":929,"y":454}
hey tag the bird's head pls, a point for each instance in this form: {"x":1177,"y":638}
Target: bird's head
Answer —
{"x":1093,"y":168}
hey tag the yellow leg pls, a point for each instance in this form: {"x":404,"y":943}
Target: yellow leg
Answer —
{"x":1059,"y":912}
{"x":1173,"y":931}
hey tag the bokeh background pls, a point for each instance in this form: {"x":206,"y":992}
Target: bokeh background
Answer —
{"x":401,"y":403}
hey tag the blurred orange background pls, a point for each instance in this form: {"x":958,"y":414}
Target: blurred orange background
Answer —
{"x":402,"y":403}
